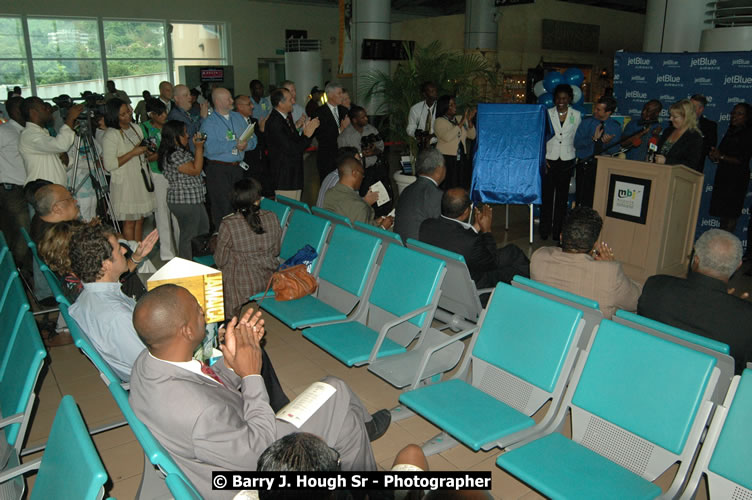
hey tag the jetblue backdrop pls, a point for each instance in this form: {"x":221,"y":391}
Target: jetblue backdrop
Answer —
{"x":725,"y":78}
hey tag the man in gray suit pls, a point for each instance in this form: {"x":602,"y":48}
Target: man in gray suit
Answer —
{"x":219,"y":418}
{"x":421,"y":200}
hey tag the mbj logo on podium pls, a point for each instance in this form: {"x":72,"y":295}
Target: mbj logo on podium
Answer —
{"x":628,"y":193}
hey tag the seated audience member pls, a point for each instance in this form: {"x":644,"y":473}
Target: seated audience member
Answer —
{"x":225,"y":421}
{"x":304,"y":452}
{"x":332,"y":178}
{"x":421,"y":200}
{"x":52,"y":204}
{"x":701,"y":303}
{"x":102,"y":310}
{"x":487,"y":264}
{"x":54,"y":249}
{"x":247,"y":246}
{"x":344,"y":199}
{"x":585,"y":266}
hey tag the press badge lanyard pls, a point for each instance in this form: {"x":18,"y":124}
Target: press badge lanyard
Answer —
{"x":231,"y":136}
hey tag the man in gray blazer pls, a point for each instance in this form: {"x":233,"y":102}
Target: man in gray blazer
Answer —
{"x":421,"y":200}
{"x":219,"y":418}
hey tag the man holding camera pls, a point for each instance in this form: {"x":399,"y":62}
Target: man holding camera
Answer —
{"x":41,"y":153}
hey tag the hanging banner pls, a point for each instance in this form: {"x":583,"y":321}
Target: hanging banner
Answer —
{"x":724,"y":78}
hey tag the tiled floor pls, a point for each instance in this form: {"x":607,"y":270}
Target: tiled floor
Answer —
{"x":298,"y":363}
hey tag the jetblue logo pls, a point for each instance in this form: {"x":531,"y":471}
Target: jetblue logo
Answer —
{"x":670,"y":62}
{"x":638,"y":78}
{"x":667,"y":79}
{"x":737,"y":80}
{"x":703,"y":81}
{"x":735,"y":100}
{"x":709,"y":188}
{"x":702,"y":61}
{"x":666,"y":97}
{"x":663,"y":113}
{"x":617,"y":77}
{"x":637,"y":61}
{"x":636,"y":94}
{"x":740,"y":62}
{"x":634,"y":111}
{"x":724,"y":117}
{"x":711,"y":223}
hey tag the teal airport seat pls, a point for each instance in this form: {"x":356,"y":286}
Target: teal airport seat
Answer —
{"x":332,"y":217}
{"x":8,"y":272}
{"x":158,"y":463}
{"x":13,"y":307}
{"x":398,"y":309}
{"x":347,"y":272}
{"x":520,"y":358}
{"x":459,"y":297}
{"x":591,"y":312}
{"x":206,"y":260}
{"x":305,"y":229}
{"x":726,"y":454}
{"x":180,"y":489}
{"x":294,"y":204}
{"x":387,"y":237}
{"x":26,"y":355}
{"x":281,"y":211}
{"x":70,"y":466}
{"x":638,"y":403}
{"x":718,"y":350}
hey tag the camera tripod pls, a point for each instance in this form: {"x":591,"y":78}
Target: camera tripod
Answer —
{"x":95,"y":173}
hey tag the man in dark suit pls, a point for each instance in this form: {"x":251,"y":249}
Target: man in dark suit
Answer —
{"x":487,"y":264}
{"x":421,"y":200}
{"x":709,"y":128}
{"x":701,"y":303}
{"x":258,"y":166}
{"x":286,"y":146}
{"x":334,"y":119}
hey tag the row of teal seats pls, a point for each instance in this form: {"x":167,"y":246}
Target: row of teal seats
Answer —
{"x":70,"y":466}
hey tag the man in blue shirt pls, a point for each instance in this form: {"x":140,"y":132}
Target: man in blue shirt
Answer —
{"x":596,"y":135}
{"x":180,"y":111}
{"x":224,"y":151}
{"x":642,"y":130}
{"x":262,"y":106}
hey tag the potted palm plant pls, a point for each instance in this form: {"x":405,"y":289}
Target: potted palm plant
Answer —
{"x":468,"y":76}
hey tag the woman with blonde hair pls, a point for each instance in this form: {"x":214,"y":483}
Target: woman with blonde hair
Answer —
{"x":681,"y":142}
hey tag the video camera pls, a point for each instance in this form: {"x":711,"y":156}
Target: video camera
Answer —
{"x":93,"y":104}
{"x":369,"y":140}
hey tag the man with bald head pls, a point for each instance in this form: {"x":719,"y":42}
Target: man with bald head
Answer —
{"x":344,"y":198}
{"x":181,"y":112}
{"x":701,"y":303}
{"x":165,"y":94}
{"x":487,"y":264}
{"x":219,"y":418}
{"x":224,"y":151}
{"x":258,"y":166}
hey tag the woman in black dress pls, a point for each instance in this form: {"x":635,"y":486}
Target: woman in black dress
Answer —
{"x":732,"y":174}
{"x":681,"y":142}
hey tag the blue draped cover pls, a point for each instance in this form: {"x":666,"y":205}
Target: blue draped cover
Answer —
{"x":511,"y":152}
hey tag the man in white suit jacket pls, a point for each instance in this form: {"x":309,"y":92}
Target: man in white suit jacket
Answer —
{"x":560,"y":159}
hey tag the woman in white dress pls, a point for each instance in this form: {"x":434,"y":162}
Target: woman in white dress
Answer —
{"x":125,"y":158}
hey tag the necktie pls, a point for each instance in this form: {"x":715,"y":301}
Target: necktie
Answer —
{"x":335,"y":112}
{"x":598,"y":149}
{"x":291,"y":122}
{"x":427,"y":128}
{"x":207,"y":370}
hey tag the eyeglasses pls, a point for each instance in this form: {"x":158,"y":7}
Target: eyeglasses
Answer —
{"x":339,"y":460}
{"x":66,"y":200}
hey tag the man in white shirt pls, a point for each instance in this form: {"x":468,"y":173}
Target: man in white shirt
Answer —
{"x":40,"y":151}
{"x":420,"y":121}
{"x":298,"y":113}
{"x":333,"y":120}
{"x":13,"y":177}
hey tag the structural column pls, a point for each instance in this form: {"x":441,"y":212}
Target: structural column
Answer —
{"x":370,"y":20}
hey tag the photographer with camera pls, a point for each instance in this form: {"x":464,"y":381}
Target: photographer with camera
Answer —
{"x":152,"y":130}
{"x":42,"y":154}
{"x":422,"y":117}
{"x":366,"y":139}
{"x":131,"y":184}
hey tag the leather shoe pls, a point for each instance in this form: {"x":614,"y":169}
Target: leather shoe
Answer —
{"x":379,"y":424}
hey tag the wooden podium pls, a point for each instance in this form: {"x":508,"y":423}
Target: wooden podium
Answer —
{"x":649,"y":214}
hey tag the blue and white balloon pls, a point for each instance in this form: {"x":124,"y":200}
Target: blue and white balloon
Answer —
{"x":574,"y":77}
{"x":577,"y":91}
{"x":551,"y":80}
{"x":539,"y":89}
{"x":546,"y":99}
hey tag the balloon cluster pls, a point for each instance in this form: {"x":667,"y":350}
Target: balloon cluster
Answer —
{"x":544,"y":89}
